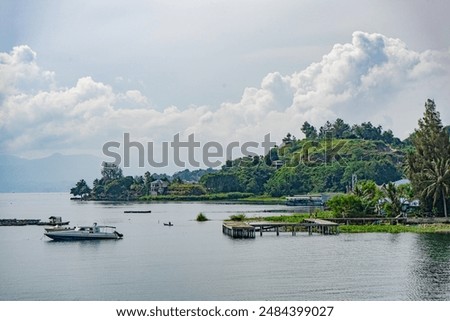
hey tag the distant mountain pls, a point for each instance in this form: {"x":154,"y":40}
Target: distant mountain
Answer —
{"x":55,"y":173}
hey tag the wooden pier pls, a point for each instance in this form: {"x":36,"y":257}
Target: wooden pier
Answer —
{"x":238,"y":230}
{"x":321,"y":226}
{"x":248,"y":230}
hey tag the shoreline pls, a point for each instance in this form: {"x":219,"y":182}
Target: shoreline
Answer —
{"x":213,"y":198}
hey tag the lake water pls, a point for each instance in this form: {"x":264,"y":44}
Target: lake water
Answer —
{"x":195,"y":261}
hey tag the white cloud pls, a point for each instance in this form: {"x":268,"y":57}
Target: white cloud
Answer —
{"x":372,"y":78}
{"x":20,"y":72}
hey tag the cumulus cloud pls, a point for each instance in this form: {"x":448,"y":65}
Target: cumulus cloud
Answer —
{"x":20,"y":72}
{"x":373,"y":77}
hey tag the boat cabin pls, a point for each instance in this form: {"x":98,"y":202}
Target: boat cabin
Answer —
{"x":55,"y":219}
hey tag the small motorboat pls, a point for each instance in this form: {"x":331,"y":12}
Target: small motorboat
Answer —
{"x":94,"y":232}
{"x":168,"y":224}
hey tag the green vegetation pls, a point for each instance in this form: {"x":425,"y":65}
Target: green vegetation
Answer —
{"x":201,"y":217}
{"x":296,"y":217}
{"x":81,"y":189}
{"x":320,"y":165}
{"x":428,"y":166}
{"x":326,"y":160}
{"x":387,"y":228}
{"x":372,"y":228}
{"x":235,"y":196}
{"x":238,"y":217}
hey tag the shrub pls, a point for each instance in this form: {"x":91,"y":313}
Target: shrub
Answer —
{"x":346,"y":205}
{"x":201,"y":217}
{"x":238,"y":217}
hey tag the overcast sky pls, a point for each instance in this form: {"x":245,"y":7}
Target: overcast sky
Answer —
{"x":76,"y":74}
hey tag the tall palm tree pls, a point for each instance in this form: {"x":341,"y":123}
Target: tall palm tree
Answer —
{"x":392,"y":193}
{"x":437,"y":180}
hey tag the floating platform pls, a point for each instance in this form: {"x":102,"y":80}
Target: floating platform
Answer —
{"x":18,"y":222}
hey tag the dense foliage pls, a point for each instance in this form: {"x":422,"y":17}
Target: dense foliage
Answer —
{"x":326,"y":160}
{"x":310,"y":166}
{"x":428,"y":165}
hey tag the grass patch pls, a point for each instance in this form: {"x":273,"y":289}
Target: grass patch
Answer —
{"x":373,"y":228}
{"x":387,"y":228}
{"x":238,"y":217}
{"x":297,"y":217}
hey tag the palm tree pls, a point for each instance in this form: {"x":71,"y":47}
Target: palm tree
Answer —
{"x":437,"y":180}
{"x":392,"y":193}
{"x":369,"y":194}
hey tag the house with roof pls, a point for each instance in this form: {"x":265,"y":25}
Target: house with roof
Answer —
{"x":159,"y":187}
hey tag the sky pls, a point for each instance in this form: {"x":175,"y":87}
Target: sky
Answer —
{"x":75,"y":75}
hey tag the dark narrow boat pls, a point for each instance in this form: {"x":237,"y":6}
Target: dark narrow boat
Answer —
{"x":54,"y":221}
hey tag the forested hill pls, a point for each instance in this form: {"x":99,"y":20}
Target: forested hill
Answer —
{"x":310,"y":165}
{"x":330,"y":159}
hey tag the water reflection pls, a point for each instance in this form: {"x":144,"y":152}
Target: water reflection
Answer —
{"x":430,"y":275}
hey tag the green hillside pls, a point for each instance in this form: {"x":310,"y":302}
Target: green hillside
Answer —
{"x":304,"y":166}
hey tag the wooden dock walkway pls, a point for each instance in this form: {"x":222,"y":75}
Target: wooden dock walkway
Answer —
{"x":248,"y":230}
{"x":321,"y":226}
{"x":238,"y":230}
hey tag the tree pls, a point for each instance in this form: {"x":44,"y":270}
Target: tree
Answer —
{"x":341,"y":129}
{"x":81,"y":188}
{"x":271,"y":156}
{"x":437,"y":181}
{"x":346,"y":205}
{"x":327,"y":128}
{"x":388,"y":136}
{"x":367,"y":131}
{"x":369,"y":194}
{"x":287,"y":139}
{"x":394,"y":206}
{"x":221,"y":182}
{"x":111,"y":171}
{"x":147,"y":182}
{"x":428,"y":166}
{"x":309,"y":130}
{"x":289,"y":181}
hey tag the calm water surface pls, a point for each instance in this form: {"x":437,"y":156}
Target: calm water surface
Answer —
{"x":195,"y":261}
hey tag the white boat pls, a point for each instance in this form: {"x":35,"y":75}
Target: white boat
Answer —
{"x":58,"y":228}
{"x":94,"y":232}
